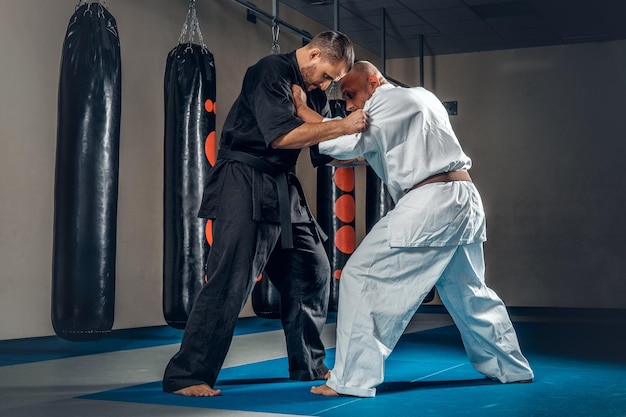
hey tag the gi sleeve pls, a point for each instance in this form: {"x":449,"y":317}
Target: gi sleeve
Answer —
{"x":344,"y":147}
{"x":272,"y":101}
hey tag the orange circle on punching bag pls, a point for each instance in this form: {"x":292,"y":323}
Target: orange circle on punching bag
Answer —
{"x":344,"y":179}
{"x":209,"y":232}
{"x":337,"y":274}
{"x":210,"y":148}
{"x":260,"y":277}
{"x":345,"y":239}
{"x":208,"y":105}
{"x":344,"y":208}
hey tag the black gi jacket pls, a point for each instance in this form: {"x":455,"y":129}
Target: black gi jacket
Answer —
{"x":263,"y":111}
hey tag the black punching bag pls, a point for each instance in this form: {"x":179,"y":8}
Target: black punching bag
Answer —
{"x":190,"y":151}
{"x":265,"y":297}
{"x":336,"y":214}
{"x":377,"y":199}
{"x":85,"y":191}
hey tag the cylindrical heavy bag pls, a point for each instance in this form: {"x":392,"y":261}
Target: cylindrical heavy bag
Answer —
{"x":336,"y":210}
{"x":86,"y":177}
{"x":265,"y":296}
{"x":336,"y":216}
{"x":377,"y":199}
{"x":190,"y":151}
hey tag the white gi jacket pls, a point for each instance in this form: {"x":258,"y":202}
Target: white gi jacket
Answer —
{"x":410,"y":138}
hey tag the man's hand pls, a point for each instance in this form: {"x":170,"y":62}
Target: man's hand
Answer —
{"x":302,"y":109}
{"x":356,"y":121}
{"x":299,"y":97}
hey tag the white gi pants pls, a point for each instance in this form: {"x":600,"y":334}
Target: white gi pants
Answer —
{"x":382,"y":287}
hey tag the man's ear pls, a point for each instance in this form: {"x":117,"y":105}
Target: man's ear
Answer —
{"x":373,"y":81}
{"x":315,"y":54}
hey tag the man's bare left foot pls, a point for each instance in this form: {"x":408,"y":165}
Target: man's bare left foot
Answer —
{"x":200,"y":390}
{"x":324,"y":390}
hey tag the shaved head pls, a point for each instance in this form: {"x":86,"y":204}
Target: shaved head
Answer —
{"x":360,"y":83}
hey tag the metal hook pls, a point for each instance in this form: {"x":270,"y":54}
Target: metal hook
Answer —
{"x":275,"y":33}
{"x":275,"y":30}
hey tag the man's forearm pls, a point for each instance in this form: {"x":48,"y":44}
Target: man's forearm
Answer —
{"x":309,"y":134}
{"x":309,"y":115}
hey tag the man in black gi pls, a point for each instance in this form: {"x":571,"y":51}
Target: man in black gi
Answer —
{"x":261,"y":221}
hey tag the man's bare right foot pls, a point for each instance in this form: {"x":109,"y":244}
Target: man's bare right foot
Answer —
{"x":200,"y":390}
{"x":324,"y":390}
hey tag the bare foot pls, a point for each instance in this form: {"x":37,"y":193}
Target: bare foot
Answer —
{"x":200,"y":390}
{"x":324,"y":390}
{"x":323,"y":377}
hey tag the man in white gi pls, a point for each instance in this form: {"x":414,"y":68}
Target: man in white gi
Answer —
{"x":433,"y":237}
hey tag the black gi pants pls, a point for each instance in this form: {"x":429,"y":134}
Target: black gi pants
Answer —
{"x":242,"y":249}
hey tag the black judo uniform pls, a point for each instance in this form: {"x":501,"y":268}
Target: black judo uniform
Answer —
{"x":247,"y":191}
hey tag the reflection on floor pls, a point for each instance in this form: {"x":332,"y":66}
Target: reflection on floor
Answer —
{"x":579,"y":358}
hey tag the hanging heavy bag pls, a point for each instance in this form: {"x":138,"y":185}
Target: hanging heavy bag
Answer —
{"x":189,"y":154}
{"x":85,"y":192}
{"x":265,"y":297}
{"x":336,"y":213}
{"x":377,"y":199}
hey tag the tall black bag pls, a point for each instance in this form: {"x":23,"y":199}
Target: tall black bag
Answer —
{"x":190,"y":148}
{"x":86,"y":180}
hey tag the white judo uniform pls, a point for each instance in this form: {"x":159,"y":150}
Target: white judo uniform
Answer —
{"x":433,"y":237}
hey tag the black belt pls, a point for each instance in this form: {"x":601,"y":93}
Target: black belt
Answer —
{"x":284,"y":208}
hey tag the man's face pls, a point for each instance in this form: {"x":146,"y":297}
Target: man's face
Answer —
{"x":320,"y":73}
{"x":356,"y":90}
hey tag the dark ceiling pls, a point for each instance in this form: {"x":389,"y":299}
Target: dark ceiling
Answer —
{"x":458,"y":26}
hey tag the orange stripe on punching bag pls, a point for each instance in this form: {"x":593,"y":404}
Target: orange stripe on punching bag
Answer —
{"x":344,"y":179}
{"x":210,"y":106}
{"x":210,"y":148}
{"x":345,"y":236}
{"x":344,"y":208}
{"x":345,"y":239}
{"x":209,"y":232}
{"x":343,"y":225}
{"x":210,"y":143}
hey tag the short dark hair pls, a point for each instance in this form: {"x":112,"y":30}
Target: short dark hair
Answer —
{"x":335,"y":46}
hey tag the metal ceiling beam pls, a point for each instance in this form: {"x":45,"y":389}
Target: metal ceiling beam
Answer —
{"x":274,"y":19}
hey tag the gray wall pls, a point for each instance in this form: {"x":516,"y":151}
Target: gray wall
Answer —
{"x":542,"y":125}
{"x":545,"y":128}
